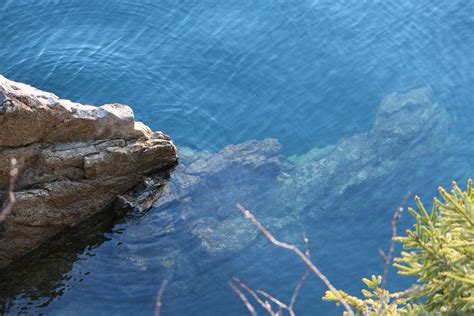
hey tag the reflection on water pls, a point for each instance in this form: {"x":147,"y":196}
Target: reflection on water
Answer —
{"x":309,"y":75}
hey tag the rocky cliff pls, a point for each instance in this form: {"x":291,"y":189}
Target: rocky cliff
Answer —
{"x":74,"y":160}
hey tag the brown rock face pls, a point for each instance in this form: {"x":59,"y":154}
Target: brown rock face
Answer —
{"x":74,"y":160}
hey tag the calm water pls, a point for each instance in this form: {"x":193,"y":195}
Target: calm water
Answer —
{"x":213,"y":73}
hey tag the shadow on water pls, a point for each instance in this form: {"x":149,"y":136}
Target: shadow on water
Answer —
{"x":42,"y":275}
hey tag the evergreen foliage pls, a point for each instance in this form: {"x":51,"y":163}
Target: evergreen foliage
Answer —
{"x":440,"y":253}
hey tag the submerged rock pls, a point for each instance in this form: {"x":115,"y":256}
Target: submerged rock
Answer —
{"x":74,"y":160}
{"x":407,"y":128}
{"x":286,"y":193}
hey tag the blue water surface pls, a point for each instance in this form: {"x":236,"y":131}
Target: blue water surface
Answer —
{"x":212,"y":73}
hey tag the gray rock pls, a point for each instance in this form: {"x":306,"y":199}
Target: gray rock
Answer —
{"x":74,"y":160}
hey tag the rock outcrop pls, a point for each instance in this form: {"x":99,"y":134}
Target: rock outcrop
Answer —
{"x":74,"y":160}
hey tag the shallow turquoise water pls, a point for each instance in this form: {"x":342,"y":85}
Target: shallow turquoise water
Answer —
{"x":214,"y":73}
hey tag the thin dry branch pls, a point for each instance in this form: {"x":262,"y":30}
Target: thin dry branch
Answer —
{"x":267,"y":306}
{"x":159,"y":297}
{"x":244,"y":299}
{"x":388,"y":258}
{"x":279,"y":303}
{"x":11,"y":191}
{"x":249,"y":216}
{"x":281,"y":306}
{"x":302,"y":280}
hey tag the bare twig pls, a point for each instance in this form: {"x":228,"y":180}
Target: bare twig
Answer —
{"x":302,"y":280}
{"x":11,"y":191}
{"x":388,"y":258}
{"x":267,"y":306}
{"x":244,"y":299}
{"x":279,"y":303}
{"x":159,"y":297}
{"x":249,"y":216}
{"x":281,"y":306}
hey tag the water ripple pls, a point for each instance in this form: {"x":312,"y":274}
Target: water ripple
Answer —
{"x":212,"y":73}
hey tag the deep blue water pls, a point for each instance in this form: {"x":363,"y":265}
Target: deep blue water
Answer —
{"x":213,"y":73}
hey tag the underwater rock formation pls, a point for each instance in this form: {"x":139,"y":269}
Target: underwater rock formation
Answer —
{"x":407,"y":128}
{"x":74,"y":160}
{"x":286,"y":192}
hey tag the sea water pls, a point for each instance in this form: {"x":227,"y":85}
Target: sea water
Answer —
{"x":213,"y":73}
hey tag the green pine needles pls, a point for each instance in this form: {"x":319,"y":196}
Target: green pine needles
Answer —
{"x":439,"y":252}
